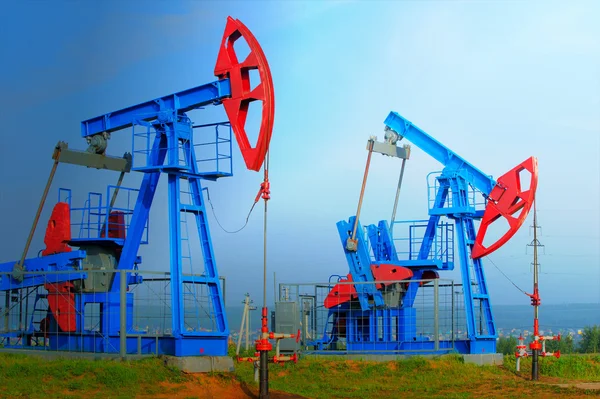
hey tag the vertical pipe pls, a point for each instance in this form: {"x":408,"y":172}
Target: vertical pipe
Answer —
{"x":535,"y":360}
{"x":397,"y":197}
{"x":20,"y":309}
{"x":27,"y":305}
{"x":452,"y":312}
{"x":264,"y":353}
{"x":264,"y":359}
{"x":480,"y":317}
{"x":535,"y":372}
{"x":6,"y":310}
{"x":123,"y":313}
{"x":224,"y":291}
{"x":436,"y":314}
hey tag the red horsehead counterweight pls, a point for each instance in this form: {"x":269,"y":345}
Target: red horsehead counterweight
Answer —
{"x":507,"y":199}
{"x":242,"y":94}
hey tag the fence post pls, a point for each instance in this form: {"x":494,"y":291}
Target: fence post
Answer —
{"x":123,"y":313}
{"x":452,"y":311}
{"x":436,"y":313}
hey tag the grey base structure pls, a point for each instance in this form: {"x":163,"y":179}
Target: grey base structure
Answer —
{"x":488,"y":359}
{"x":201,"y":364}
{"x":485,"y":359}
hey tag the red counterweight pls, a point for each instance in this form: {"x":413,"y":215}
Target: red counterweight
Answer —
{"x":58,"y":231}
{"x":242,"y":93}
{"x":506,"y":200}
{"x":61,"y":300}
{"x":383,"y":274}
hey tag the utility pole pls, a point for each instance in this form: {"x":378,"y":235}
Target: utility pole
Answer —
{"x":245,"y":327}
{"x":535,"y":301}
{"x":538,"y":344}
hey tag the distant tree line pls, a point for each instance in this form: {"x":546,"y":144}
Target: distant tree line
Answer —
{"x":590,"y":343}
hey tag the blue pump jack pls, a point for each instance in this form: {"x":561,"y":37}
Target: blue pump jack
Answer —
{"x":165,"y":143}
{"x":462,"y":194}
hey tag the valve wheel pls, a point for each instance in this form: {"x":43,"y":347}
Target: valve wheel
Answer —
{"x":506,"y":200}
{"x":236,"y":107}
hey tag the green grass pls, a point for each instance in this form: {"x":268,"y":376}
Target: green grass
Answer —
{"x":32,"y":377}
{"x":570,"y":367}
{"x":415,"y":377}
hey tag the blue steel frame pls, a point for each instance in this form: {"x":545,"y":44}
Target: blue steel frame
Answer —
{"x":173,"y":133}
{"x":452,"y":200}
{"x":455,"y":179}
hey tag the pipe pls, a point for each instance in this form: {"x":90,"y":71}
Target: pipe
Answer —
{"x":360,"y":199}
{"x":19,"y":265}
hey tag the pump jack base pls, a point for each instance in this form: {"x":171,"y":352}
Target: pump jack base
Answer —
{"x":200,"y":364}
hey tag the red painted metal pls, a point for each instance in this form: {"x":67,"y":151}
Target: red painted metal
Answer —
{"x":263,"y":343}
{"x":61,"y":300}
{"x":242,"y":94}
{"x":58,"y":231}
{"x":383,"y":274}
{"x":116,"y":225}
{"x":340,"y":293}
{"x":265,"y":189}
{"x":506,"y":200}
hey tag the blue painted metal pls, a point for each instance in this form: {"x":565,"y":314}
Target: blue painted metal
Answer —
{"x":90,"y":221}
{"x":453,"y":199}
{"x":381,"y":242}
{"x":453,"y":162}
{"x":360,"y":264}
{"x":181,"y":102}
{"x":452,"y":196}
{"x":60,"y":267}
{"x":169,"y":148}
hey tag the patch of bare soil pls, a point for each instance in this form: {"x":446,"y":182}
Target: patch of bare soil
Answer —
{"x":204,"y":386}
{"x":580,"y":385}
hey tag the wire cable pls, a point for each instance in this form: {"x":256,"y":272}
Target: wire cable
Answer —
{"x":508,"y":278}
{"x":219,"y":223}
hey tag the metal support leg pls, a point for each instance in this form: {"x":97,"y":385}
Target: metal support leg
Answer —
{"x":123,"y":313}
{"x":436,"y":313}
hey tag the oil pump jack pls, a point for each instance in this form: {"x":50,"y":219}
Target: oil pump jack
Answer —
{"x":83,"y":258}
{"x":359,"y":312}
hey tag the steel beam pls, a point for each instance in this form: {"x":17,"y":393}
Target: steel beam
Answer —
{"x":97,"y":161}
{"x":451,"y":160}
{"x":182,"y":101}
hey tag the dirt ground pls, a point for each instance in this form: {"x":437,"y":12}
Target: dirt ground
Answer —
{"x":203,"y":386}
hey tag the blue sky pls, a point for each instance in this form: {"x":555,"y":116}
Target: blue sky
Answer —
{"x":495,"y":81}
